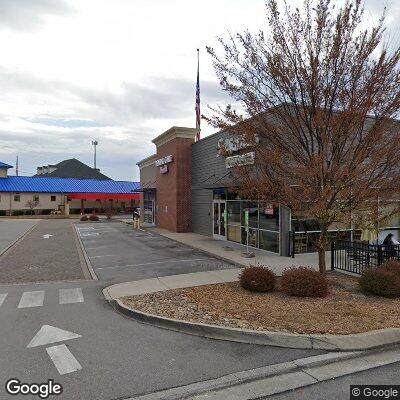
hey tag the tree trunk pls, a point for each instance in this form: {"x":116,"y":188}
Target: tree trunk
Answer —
{"x":321,"y":250}
{"x":321,"y":260}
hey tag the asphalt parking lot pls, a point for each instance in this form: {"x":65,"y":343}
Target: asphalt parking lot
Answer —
{"x":49,"y":252}
{"x":118,"y":253}
{"x":12,"y":229}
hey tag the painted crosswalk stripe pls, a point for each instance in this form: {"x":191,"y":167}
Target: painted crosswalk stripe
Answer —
{"x":63,"y":359}
{"x":2,"y":298}
{"x":74,"y":295}
{"x":31,"y":299}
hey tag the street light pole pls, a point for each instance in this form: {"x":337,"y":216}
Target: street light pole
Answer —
{"x":95,"y":143}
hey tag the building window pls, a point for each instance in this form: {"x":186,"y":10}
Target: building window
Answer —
{"x":35,"y":197}
{"x":219,"y":194}
{"x":52,"y":198}
{"x":17,"y":198}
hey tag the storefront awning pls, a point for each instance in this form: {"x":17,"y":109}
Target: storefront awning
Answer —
{"x":103,"y":196}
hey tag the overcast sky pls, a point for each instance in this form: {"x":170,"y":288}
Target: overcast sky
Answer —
{"x":120,"y":71}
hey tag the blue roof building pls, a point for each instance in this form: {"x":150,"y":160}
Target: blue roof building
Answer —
{"x":18,"y":193}
{"x":30,"y":184}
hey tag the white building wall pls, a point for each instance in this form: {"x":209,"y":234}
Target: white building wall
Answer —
{"x":8,"y":203}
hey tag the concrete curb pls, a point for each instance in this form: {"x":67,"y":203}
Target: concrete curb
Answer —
{"x":17,"y":240}
{"x":88,"y":263}
{"x":239,"y":378}
{"x":355,"y":342}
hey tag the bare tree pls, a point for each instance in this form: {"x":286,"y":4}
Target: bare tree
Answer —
{"x":320,"y":92}
{"x":32,"y":204}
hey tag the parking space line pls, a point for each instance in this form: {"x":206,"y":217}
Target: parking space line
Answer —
{"x":2,"y":298}
{"x":154,"y":262}
{"x":73,"y":295}
{"x":31,"y":299}
{"x":105,"y":255}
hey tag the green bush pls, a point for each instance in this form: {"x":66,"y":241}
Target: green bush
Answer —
{"x":257,"y":279}
{"x":380,"y":282}
{"x":304,"y":282}
{"x":46,"y":211}
{"x":18,"y":212}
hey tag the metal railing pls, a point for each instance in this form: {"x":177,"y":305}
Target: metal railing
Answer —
{"x":355,"y":257}
{"x":292,"y":244}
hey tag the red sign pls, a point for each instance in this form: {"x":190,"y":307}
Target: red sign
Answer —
{"x":269,"y":209}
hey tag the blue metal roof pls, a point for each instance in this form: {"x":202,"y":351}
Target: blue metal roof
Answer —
{"x":4,"y":165}
{"x":66,"y":185}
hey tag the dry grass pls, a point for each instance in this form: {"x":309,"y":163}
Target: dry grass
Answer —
{"x":343,"y":311}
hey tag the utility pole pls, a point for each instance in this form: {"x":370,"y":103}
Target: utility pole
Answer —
{"x":95,"y":143}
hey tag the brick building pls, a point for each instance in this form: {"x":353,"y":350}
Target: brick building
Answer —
{"x":186,"y":187}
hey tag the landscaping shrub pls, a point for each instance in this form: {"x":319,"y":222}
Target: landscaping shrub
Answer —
{"x":94,"y":217}
{"x":380,"y":282}
{"x":46,"y":211}
{"x":18,"y":212}
{"x":391,"y":266}
{"x":304,"y":282}
{"x":257,"y":278}
{"x":84,"y":218}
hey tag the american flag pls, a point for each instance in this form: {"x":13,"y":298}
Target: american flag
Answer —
{"x":197,"y":108}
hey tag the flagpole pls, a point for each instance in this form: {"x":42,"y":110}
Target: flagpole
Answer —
{"x":197,"y":108}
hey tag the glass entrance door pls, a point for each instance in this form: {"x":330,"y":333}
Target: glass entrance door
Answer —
{"x":219,"y":219}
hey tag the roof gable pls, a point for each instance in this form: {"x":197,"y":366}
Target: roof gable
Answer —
{"x":4,"y":165}
{"x":73,"y":168}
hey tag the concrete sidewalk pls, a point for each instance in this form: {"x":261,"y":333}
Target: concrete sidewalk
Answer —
{"x":170,"y":282}
{"x":232,"y":252}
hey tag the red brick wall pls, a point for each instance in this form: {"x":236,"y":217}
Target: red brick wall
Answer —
{"x":174,"y":194}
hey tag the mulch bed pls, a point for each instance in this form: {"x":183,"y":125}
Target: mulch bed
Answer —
{"x":344,"y":311}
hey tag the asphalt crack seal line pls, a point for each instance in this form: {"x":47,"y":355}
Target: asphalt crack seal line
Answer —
{"x":273,"y":379}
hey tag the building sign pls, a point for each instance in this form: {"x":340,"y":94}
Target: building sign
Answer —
{"x":164,"y":169}
{"x":232,"y":145}
{"x":164,"y":160}
{"x":268,"y":209}
{"x":241,"y":159}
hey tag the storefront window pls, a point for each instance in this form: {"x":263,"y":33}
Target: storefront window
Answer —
{"x":263,"y":219}
{"x":252,"y":208}
{"x":269,"y":217}
{"x":234,"y":221}
{"x":252,"y":237}
{"x":234,"y":212}
{"x":269,"y":241}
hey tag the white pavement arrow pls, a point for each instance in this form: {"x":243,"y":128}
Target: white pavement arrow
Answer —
{"x":47,"y":235}
{"x":63,"y":359}
{"x":49,"y":334}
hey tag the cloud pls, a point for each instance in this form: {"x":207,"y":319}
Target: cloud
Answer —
{"x":27,"y":15}
{"x":116,"y":71}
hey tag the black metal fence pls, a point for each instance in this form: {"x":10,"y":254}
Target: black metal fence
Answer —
{"x":357,"y":256}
